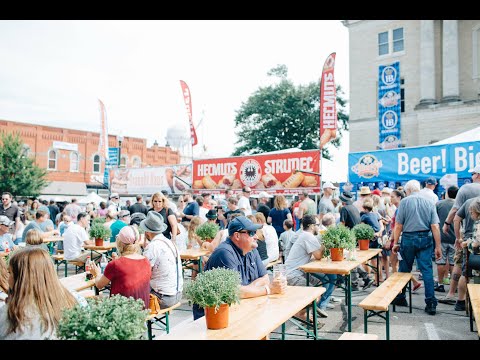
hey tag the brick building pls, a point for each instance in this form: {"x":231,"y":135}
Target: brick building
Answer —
{"x":72,"y":160}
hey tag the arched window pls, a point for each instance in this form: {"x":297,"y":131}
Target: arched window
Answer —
{"x":123,"y":161}
{"x":52,"y":160}
{"x":74,"y":161}
{"x":136,"y":162}
{"x":96,"y":164}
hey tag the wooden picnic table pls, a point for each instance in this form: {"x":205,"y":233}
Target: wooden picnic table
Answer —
{"x":194,"y":256}
{"x":77,"y":282}
{"x":254,"y":318}
{"x":107,"y":246}
{"x":51,"y":239}
{"x":344,"y":267}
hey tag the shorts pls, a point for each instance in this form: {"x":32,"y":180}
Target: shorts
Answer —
{"x":448,"y":251}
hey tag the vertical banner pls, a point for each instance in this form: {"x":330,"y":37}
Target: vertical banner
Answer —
{"x":389,"y":106}
{"x":188,"y":106}
{"x":328,"y":102}
{"x":103,"y":143}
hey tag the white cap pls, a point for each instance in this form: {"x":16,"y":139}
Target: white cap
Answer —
{"x":264,"y":194}
{"x":114,"y":195}
{"x":475,"y":170}
{"x":328,"y":184}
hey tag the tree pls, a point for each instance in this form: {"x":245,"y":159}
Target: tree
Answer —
{"x":19,"y":174}
{"x":283,"y":116}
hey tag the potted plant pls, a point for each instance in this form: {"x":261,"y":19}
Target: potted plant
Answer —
{"x":99,"y":233}
{"x":207,"y":231}
{"x":337,"y":238}
{"x":99,"y":220}
{"x":215,"y":290}
{"x":363,"y":233}
{"x":112,"y":318}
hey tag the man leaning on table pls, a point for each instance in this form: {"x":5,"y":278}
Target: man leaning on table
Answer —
{"x":239,"y":253}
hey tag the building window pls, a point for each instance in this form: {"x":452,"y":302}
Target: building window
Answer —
{"x":52,"y":160}
{"x":136,"y":162}
{"x":96,"y":164}
{"x":476,"y":52}
{"x":390,"y":42}
{"x":402,"y":95}
{"x":74,"y":163}
{"x":123,"y":161}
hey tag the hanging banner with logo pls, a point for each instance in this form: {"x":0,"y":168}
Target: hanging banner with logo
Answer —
{"x":274,"y":173}
{"x":389,"y":106}
{"x":188,"y":106}
{"x":111,"y":161}
{"x":103,"y":143}
{"x":417,"y":163}
{"x":328,"y":102}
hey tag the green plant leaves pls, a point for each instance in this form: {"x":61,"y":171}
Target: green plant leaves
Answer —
{"x":98,"y":231}
{"x":207,"y":230}
{"x":338,"y":237}
{"x":363,"y":232}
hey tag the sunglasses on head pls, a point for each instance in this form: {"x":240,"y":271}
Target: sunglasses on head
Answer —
{"x":250,"y":233}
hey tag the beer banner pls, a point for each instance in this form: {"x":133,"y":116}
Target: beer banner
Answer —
{"x":328,"y":102}
{"x":389,"y":106}
{"x":188,"y":106}
{"x":274,"y":173}
{"x":417,"y":163}
{"x":133,"y":181}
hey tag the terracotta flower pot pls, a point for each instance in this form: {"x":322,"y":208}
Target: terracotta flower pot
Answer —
{"x":336,"y":254}
{"x":98,"y":242}
{"x":364,"y":244}
{"x":208,"y":240}
{"x":217,"y":320}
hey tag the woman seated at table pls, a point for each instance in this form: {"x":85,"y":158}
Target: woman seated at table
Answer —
{"x":129,"y":275}
{"x":36,"y":298}
{"x":34,"y":239}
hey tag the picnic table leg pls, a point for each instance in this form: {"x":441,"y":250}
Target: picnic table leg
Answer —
{"x":469,"y":304}
{"x":349,"y":297}
{"x":308,"y":307}
{"x":315,"y":329}
{"x":149,"y":329}
{"x":410,"y":294}
{"x":283,"y":331}
{"x":387,"y":318}
{"x":167,"y":322}
{"x":65,"y":262}
{"x":378,"y":272}
{"x":365,"y":319}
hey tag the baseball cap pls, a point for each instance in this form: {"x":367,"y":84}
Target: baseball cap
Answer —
{"x":123,"y":213}
{"x":246,"y":189}
{"x":377,"y":192}
{"x":328,"y":184}
{"x":264,"y":194}
{"x":431,"y":181}
{"x":242,"y":223}
{"x":5,"y":220}
{"x":475,"y":170}
{"x":114,"y":195}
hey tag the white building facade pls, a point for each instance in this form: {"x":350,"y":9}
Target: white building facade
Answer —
{"x":440,"y":78}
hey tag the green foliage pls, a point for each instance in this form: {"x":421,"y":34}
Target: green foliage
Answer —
{"x":214,"y":287}
{"x":207,"y":230}
{"x":98,"y":231}
{"x":338,"y":237}
{"x":363,"y":232}
{"x":112,"y":318}
{"x":19,"y":174}
{"x":282,"y":116}
{"x":99,"y":220}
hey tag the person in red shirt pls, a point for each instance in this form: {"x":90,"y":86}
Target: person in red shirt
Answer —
{"x":128,"y":274}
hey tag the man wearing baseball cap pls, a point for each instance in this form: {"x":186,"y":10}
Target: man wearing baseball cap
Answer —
{"x":6,"y":239}
{"x":239,"y":253}
{"x":326,"y":205}
{"x":427,"y":191}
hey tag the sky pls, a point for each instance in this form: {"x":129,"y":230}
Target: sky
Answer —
{"x":53,"y":72}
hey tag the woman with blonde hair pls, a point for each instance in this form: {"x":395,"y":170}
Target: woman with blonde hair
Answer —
{"x":129,"y":274}
{"x":34,"y":238}
{"x":279,"y":214}
{"x":36,"y":297}
{"x":161,"y":205}
{"x":271,"y":239}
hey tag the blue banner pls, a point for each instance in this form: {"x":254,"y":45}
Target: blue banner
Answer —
{"x":413,"y":163}
{"x":389,"y":106}
{"x":113,"y":156}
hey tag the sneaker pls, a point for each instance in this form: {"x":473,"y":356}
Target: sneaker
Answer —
{"x":367,"y":283}
{"x":400,"y":302}
{"x":447,"y":300}
{"x":431,"y":309}
{"x":322,"y":312}
{"x":335,"y":300}
{"x":439,"y":288}
{"x":330,"y":306}
{"x":460,"y":305}
{"x":416,"y":287}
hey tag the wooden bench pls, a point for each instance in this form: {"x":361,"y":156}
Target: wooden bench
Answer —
{"x":161,"y":318}
{"x":357,"y":336}
{"x":271,"y":263}
{"x":379,"y":300}
{"x":58,"y":259}
{"x":474,"y":305}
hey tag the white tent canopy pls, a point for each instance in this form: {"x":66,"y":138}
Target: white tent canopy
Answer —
{"x":92,"y":197}
{"x":467,"y":136}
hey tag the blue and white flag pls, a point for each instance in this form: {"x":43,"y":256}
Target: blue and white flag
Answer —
{"x":389,"y":105}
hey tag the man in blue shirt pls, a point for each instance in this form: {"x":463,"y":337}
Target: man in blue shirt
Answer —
{"x":239,"y":253}
{"x":6,"y":239}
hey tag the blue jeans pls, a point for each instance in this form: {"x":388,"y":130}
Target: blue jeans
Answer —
{"x":328,"y":281}
{"x":418,"y":245}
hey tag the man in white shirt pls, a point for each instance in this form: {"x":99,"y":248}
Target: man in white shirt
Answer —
{"x":427,"y":191}
{"x":75,"y":237}
{"x":114,"y":204}
{"x":244,"y":201}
